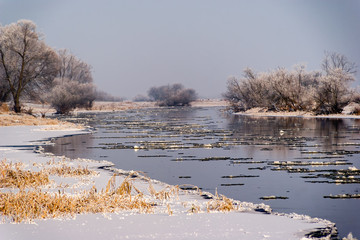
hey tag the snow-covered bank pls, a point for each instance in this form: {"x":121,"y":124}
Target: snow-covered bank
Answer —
{"x":180,"y":215}
{"x":262,"y":112}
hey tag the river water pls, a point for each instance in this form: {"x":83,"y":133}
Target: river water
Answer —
{"x":302,"y":162}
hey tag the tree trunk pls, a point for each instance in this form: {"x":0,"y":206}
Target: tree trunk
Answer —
{"x":17,"y":107}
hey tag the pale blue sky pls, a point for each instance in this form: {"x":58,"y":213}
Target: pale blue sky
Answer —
{"x":134,"y":45}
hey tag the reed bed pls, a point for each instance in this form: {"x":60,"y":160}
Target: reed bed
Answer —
{"x":68,"y":171}
{"x":11,"y":119}
{"x":35,"y":204}
{"x":13,"y":175}
{"x":164,"y":194}
{"x":30,"y":201}
{"x":221,"y":203}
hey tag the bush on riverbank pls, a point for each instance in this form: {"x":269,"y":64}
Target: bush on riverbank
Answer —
{"x":172,"y":95}
{"x":323,"y":92}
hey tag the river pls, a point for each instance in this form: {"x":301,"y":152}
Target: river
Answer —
{"x":304,"y":163}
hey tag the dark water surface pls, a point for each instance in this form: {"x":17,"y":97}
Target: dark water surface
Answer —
{"x":241,"y":157}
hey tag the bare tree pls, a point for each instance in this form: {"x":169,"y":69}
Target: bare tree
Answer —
{"x":333,"y":61}
{"x":234,"y":95}
{"x":74,"y":68}
{"x":333,"y":92}
{"x":26,"y":61}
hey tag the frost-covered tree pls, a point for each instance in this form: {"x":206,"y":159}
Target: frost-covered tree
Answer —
{"x":73,"y":86}
{"x":172,"y":95}
{"x":74,"y":68}
{"x":234,"y":95}
{"x":26,"y":62}
{"x":334,"y":60}
{"x":333,"y":92}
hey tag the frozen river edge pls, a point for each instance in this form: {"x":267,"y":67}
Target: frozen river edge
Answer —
{"x":172,"y":218}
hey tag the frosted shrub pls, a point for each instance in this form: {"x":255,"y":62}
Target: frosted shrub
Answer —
{"x":67,"y":95}
{"x":172,"y":95}
{"x":297,"y":90}
{"x":251,"y":91}
{"x":292,"y":90}
{"x":73,"y":86}
{"x":63,"y":96}
{"x":277,"y":90}
{"x":86,"y":92}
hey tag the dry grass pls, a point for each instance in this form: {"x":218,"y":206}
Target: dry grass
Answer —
{"x":220,"y":203}
{"x":4,"y":108}
{"x":25,"y":119}
{"x":68,"y":171}
{"x":164,"y":194}
{"x":194,"y":209}
{"x":13,"y":175}
{"x":30,"y":202}
{"x":35,"y":204}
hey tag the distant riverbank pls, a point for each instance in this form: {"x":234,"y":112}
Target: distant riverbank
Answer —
{"x":261,"y":112}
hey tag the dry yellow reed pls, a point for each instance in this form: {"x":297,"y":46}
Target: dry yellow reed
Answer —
{"x":194,"y":209}
{"x":68,"y":171}
{"x":35,"y":204}
{"x":12,"y":175}
{"x":164,"y":194}
{"x":221,"y":203}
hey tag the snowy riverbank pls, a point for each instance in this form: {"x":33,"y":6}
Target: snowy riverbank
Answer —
{"x":175,"y":213}
{"x":262,"y":112}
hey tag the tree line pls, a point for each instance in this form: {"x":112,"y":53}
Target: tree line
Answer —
{"x":30,"y":69}
{"x":322,"y":92}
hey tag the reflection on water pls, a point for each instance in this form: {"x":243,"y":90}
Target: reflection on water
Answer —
{"x":72,"y":146}
{"x":299,"y":161}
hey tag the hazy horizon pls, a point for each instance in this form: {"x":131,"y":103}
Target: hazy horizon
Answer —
{"x":134,"y":45}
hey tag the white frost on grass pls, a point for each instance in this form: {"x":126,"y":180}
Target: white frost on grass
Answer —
{"x":181,"y":216}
